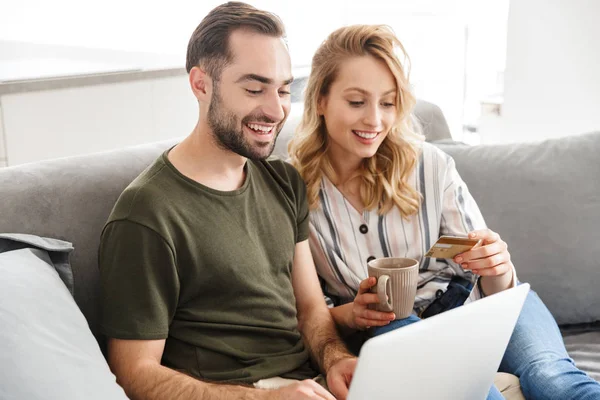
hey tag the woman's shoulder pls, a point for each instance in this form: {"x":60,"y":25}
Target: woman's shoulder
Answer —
{"x":434,"y":162}
{"x":430,"y":148}
{"x":431,"y":153}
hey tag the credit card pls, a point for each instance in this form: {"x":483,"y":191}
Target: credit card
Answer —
{"x":451,"y":246}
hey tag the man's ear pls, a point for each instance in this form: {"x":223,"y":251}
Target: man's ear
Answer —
{"x":201,"y":84}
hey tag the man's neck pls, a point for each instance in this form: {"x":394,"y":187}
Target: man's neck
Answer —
{"x":200,"y":158}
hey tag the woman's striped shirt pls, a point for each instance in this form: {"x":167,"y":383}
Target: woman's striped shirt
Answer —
{"x":343,"y":239}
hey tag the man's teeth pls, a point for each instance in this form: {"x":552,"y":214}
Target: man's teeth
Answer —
{"x":260,"y":128}
{"x":366,"y":135}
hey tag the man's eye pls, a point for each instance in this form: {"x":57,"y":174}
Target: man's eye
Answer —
{"x":284,"y":93}
{"x":255,"y":92}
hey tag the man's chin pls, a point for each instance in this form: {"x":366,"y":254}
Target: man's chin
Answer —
{"x":262,"y":151}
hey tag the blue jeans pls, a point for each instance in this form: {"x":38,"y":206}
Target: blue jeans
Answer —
{"x":536,"y":354}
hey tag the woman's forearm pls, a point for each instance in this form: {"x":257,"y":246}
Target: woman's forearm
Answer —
{"x":342,"y":316}
{"x":494,"y":284}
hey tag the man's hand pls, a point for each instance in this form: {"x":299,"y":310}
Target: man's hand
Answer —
{"x":302,"y":390}
{"x":490,"y":259}
{"x":339,"y":377}
{"x":362,"y":317}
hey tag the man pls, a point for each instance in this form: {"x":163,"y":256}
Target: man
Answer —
{"x":208,"y":281}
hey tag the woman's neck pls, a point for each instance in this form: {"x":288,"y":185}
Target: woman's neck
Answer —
{"x":347,"y":180}
{"x":345,"y":168}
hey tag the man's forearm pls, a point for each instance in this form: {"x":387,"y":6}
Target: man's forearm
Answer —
{"x":342,"y":317}
{"x":322,"y":338}
{"x":156,"y":382}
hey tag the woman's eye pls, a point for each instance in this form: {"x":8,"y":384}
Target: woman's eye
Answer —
{"x":356,"y":103}
{"x":388,"y":104}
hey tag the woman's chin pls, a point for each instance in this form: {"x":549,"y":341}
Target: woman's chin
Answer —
{"x":367,"y":153}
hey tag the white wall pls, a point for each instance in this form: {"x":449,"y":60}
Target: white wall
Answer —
{"x":25,"y":60}
{"x":552,"y":78}
{"x":131,"y":25}
{"x":153,"y":26}
{"x":66,"y":122}
{"x":433,"y":32}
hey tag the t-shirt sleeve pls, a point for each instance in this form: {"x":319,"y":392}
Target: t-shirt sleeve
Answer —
{"x":139,"y":282}
{"x":302,"y":219}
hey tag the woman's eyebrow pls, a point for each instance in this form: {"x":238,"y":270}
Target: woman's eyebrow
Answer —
{"x":365,"y":92}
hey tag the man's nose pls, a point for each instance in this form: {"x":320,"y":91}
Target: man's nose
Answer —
{"x":274,"y":107}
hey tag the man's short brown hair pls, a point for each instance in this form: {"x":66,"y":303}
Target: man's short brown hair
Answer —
{"x":209,"y":44}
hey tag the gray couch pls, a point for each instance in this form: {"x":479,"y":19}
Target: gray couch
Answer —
{"x":543,"y":198}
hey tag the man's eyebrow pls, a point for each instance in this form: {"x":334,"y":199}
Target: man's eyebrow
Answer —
{"x":261,"y":79}
{"x":363,"y":91}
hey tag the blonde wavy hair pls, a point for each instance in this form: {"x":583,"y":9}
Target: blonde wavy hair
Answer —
{"x":383,"y":177}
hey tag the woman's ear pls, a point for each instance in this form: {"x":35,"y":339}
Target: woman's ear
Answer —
{"x":321,"y":104}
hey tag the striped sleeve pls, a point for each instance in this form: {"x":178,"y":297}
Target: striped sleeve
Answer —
{"x":461,"y":215}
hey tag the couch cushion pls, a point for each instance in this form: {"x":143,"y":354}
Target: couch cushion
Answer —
{"x":584,"y":348}
{"x":432,"y":121}
{"x":544,"y":200}
{"x":58,"y":250}
{"x":47,"y":350}
{"x":71,"y":199}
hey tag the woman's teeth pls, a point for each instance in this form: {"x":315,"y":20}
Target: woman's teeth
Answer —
{"x":365,"y":135}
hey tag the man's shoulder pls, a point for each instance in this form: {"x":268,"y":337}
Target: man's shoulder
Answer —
{"x":283,"y":174}
{"x":281,"y":168}
{"x":144,"y":195}
{"x":283,"y":177}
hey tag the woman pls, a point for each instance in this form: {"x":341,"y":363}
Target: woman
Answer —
{"x":376,"y":189}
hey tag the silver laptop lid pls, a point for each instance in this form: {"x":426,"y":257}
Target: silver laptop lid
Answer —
{"x":453,"y":355}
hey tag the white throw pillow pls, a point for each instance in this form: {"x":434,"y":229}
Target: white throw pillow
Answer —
{"x":47,"y":350}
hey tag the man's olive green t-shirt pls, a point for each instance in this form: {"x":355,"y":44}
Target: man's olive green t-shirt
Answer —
{"x":209,"y":271}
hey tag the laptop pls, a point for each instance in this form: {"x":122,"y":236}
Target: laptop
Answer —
{"x":453,"y":355}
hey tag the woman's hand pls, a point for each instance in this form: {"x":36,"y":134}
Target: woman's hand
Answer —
{"x":362,"y":317}
{"x":490,"y":259}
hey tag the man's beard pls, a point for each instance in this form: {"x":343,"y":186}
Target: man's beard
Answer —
{"x":229,"y":135}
